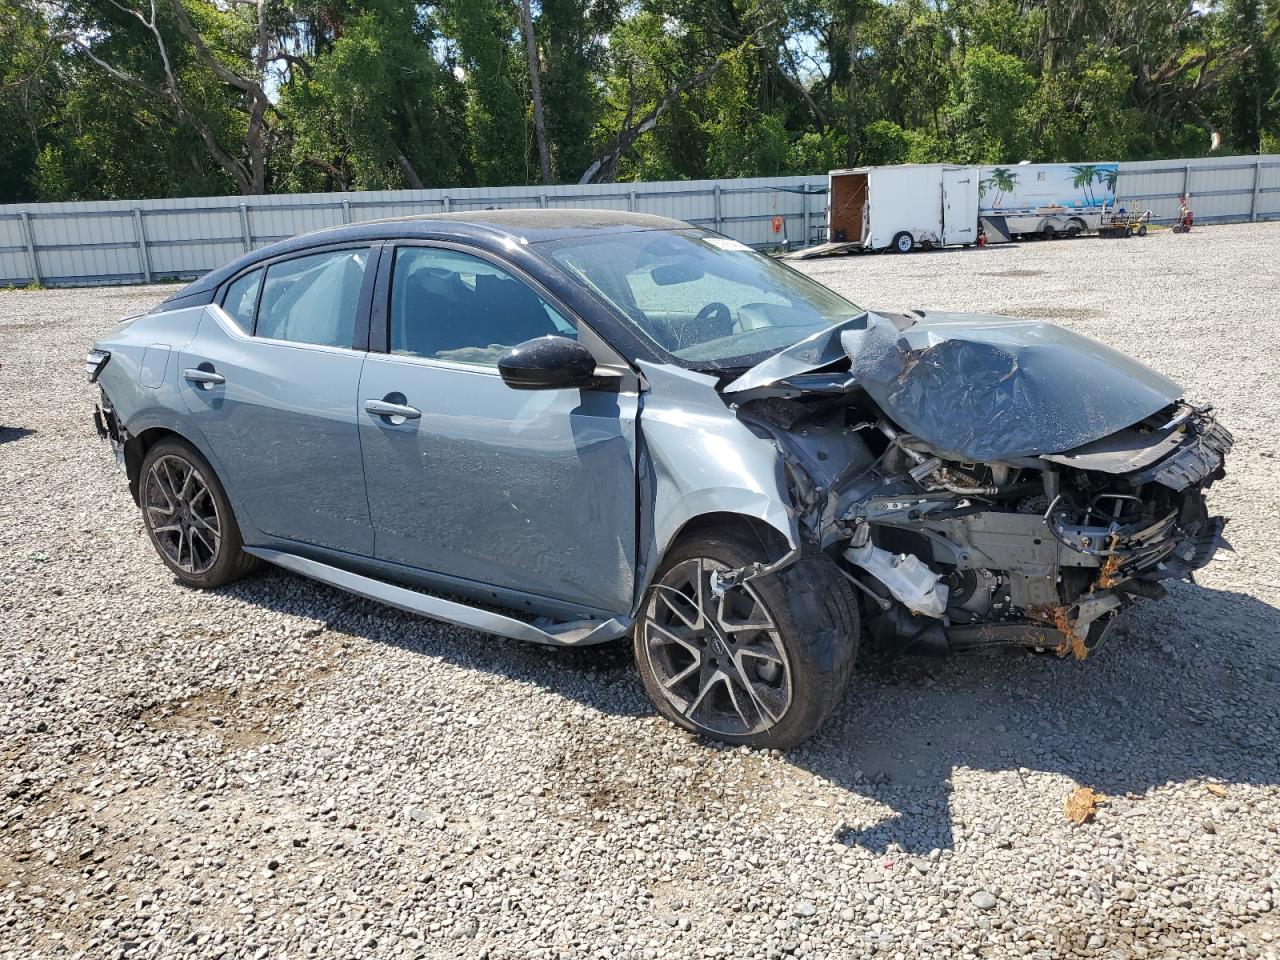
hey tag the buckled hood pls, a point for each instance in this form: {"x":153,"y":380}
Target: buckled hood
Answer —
{"x":979,"y":388}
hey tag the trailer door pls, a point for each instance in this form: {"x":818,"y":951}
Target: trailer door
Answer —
{"x":959,"y":205}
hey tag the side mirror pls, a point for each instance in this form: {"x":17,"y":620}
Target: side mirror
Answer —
{"x":547,"y":363}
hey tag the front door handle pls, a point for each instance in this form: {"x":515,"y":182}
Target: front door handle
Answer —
{"x":208,"y":377}
{"x":382,"y":408}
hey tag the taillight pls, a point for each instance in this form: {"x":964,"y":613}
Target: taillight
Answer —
{"x":94,"y":362}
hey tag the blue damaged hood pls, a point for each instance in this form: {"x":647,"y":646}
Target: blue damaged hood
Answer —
{"x":981,"y":388}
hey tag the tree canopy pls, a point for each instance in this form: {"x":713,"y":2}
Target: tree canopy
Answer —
{"x":108,"y":99}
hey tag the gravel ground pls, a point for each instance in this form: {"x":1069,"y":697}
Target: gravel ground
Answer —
{"x":280,"y":770}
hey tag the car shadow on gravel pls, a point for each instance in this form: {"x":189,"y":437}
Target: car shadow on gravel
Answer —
{"x":1188,"y":689}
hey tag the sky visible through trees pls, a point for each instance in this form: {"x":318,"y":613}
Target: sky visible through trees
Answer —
{"x":106,"y":99}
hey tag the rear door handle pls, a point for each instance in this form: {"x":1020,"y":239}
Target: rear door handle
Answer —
{"x":196,"y":375}
{"x":381,"y":408}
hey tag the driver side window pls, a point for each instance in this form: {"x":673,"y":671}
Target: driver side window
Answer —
{"x":449,"y":305}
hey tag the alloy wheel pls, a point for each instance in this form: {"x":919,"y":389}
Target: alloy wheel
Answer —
{"x":182,"y":514}
{"x":718,"y":658}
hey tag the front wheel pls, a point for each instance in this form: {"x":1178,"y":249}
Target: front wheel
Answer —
{"x":761,"y":664}
{"x":188,"y":517}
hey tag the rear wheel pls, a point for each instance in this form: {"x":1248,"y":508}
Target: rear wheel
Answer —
{"x":1047,"y":232}
{"x":188,"y":517}
{"x":763,"y":663}
{"x":1074,"y":229}
{"x":903,"y":242}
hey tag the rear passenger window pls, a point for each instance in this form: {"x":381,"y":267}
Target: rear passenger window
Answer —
{"x":313,"y":299}
{"x":241,"y":298}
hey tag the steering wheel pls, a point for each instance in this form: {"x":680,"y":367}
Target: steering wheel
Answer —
{"x":720,"y":313}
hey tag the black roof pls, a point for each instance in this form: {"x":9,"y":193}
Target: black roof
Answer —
{"x":485,"y":228}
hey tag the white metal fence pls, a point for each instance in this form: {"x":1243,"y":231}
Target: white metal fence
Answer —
{"x":131,"y":241}
{"x":122,"y":241}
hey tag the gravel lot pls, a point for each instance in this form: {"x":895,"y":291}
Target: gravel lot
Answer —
{"x":280,"y":770}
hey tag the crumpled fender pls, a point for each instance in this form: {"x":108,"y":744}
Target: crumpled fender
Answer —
{"x":697,"y":457}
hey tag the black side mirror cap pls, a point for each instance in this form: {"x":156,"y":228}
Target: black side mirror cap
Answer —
{"x":547,"y":363}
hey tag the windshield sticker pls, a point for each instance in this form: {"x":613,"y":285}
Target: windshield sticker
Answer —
{"x":724,"y":243}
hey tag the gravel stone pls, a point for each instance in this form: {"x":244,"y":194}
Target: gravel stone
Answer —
{"x":429,"y":792}
{"x":983,"y":900}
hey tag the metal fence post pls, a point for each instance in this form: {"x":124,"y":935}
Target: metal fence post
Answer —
{"x":346,"y":211}
{"x":448,"y":204}
{"x":631,"y":200}
{"x":1257,"y":188}
{"x":140,"y":234}
{"x":715,"y":196}
{"x":542,"y":200}
{"x":244,"y":228}
{"x":804,"y":206}
{"x":29,"y":240}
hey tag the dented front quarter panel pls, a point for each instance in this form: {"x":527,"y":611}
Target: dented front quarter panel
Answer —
{"x":697,"y":458}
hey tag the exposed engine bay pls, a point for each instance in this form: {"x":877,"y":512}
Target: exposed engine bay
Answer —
{"x":984,"y":482}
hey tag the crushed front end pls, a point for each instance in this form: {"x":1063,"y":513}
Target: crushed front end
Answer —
{"x":1029,"y":544}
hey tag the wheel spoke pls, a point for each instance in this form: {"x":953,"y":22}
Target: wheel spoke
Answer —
{"x":669,"y":596}
{"x":761,"y":651}
{"x":683,"y":675}
{"x":690,"y":645}
{"x":729,"y":687}
{"x":169,"y":529}
{"x":756,"y":700}
{"x":211,"y":547}
{"x":708,"y":677}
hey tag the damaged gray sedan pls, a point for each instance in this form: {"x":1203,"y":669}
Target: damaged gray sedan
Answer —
{"x":570,"y":426}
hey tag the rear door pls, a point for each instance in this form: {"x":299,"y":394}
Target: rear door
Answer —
{"x":959,"y":205}
{"x":270,"y":379}
{"x":529,"y":491}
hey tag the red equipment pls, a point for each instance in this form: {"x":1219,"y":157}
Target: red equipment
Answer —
{"x":1185,"y":216}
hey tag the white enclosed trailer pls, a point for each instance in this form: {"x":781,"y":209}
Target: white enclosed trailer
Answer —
{"x":903,"y":207}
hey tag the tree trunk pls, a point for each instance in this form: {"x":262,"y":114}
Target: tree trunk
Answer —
{"x":851,"y":149}
{"x":535,"y":87}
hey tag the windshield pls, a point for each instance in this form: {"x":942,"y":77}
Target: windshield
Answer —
{"x":704,"y":299}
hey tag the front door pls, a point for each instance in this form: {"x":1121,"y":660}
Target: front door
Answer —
{"x":528,"y":491}
{"x":271,"y":379}
{"x":959,"y":205}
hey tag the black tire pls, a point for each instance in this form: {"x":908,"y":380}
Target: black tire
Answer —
{"x":1142,"y":230}
{"x":1128,"y":232}
{"x":1048,"y":233}
{"x":1074,"y":229}
{"x":812,"y":619}
{"x":903,"y":242}
{"x":214,"y":550}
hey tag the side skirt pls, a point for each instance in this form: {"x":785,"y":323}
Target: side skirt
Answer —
{"x":578,"y":633}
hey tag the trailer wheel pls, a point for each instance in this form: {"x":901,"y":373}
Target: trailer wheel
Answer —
{"x":1128,"y":232}
{"x":1075,"y":228}
{"x":904,"y":242}
{"x":1142,"y":230}
{"x":1047,"y":232}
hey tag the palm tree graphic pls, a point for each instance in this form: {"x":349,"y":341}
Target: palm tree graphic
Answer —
{"x":1107,"y":176}
{"x":1084,"y":177}
{"x":1002,"y":180}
